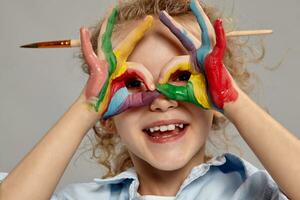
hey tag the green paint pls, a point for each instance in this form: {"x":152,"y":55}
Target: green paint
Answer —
{"x":102,"y":95}
{"x":179,"y":93}
{"x":106,"y":41}
{"x":109,"y":54}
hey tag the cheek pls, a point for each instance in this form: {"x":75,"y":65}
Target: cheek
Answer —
{"x":129,"y":131}
{"x":125,"y":123}
{"x":120,"y":123}
{"x":201,"y":119}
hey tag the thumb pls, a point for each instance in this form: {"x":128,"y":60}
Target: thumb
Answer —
{"x":220,"y":46}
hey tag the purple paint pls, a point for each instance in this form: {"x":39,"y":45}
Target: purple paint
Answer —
{"x":186,"y":42}
{"x":138,"y":100}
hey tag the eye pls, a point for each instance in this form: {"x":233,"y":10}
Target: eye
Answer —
{"x":134,"y":84}
{"x":180,"y":77}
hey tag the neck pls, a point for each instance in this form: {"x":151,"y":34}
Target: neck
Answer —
{"x":154,"y":181}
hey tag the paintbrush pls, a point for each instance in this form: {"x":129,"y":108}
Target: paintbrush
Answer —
{"x":76,"y":43}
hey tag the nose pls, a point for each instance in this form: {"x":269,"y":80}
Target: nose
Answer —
{"x":162,"y":104}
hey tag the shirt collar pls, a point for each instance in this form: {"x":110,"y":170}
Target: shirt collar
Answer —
{"x":226,"y":162}
{"x":128,"y":174}
{"x":131,"y":173}
{"x":202,"y":169}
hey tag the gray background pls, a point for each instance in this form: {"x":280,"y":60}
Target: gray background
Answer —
{"x":37,"y":86}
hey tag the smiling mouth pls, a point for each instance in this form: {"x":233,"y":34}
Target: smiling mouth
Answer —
{"x":166,"y":133}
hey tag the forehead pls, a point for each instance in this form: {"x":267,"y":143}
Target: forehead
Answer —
{"x":156,"y":49}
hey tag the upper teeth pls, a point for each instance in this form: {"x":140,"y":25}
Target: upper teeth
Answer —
{"x":163,"y":128}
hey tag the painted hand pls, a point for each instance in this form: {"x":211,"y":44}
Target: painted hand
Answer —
{"x":207,"y":58}
{"x":109,"y":87}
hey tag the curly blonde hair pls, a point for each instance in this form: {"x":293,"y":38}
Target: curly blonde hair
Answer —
{"x":107,"y":148}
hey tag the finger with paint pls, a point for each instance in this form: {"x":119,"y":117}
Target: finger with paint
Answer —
{"x":198,"y":49}
{"x":122,"y":98}
{"x":219,"y":82}
{"x":181,"y":82}
{"x":114,"y":97}
{"x":100,"y":67}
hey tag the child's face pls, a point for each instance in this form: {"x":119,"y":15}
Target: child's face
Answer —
{"x":154,"y":51}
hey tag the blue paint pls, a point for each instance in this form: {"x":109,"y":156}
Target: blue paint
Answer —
{"x":206,"y":46}
{"x":116,"y":102}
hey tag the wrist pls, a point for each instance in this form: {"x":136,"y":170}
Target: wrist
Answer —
{"x":87,"y":114}
{"x":235,"y":109}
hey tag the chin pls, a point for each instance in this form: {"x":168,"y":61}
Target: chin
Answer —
{"x":169,"y":164}
{"x":177,"y":159}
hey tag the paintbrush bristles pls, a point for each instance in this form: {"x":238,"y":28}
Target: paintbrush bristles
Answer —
{"x":50,"y":44}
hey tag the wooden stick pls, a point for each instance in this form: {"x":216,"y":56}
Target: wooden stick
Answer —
{"x":248,"y":33}
{"x":76,"y":42}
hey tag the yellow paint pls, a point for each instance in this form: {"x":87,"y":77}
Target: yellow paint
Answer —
{"x":104,"y":105}
{"x":128,"y":45}
{"x":197,"y":79}
{"x":184,"y":66}
{"x":200,"y":91}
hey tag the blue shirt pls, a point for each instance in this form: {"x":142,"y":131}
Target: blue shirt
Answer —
{"x":223,"y":177}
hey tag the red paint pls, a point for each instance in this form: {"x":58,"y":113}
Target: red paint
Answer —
{"x":98,"y":68}
{"x":120,"y":81}
{"x":219,"y":79}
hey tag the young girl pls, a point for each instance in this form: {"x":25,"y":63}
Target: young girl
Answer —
{"x":162,"y":87}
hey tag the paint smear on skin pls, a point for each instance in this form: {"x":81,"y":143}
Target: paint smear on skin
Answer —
{"x":122,"y":100}
{"x":174,"y":92}
{"x":183,"y":38}
{"x":184,"y":93}
{"x":127,"y":46}
{"x":139,"y":99}
{"x":183,"y":66}
{"x":120,"y":94}
{"x":200,"y":90}
{"x":221,"y":91}
{"x":95,"y":82}
{"x":220,"y":83}
{"x":122,"y":72}
{"x":98,"y":69}
{"x":116,"y":101}
{"x":118,"y":88}
{"x":206,"y":46}
{"x":106,"y":41}
{"x":115,"y":86}
{"x":220,"y":86}
{"x":132,"y":100}
{"x":103,"y":100}
{"x":194,"y":91}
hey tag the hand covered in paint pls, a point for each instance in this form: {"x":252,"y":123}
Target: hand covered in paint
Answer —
{"x":221,"y":84}
{"x":206,"y":59}
{"x":106,"y":90}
